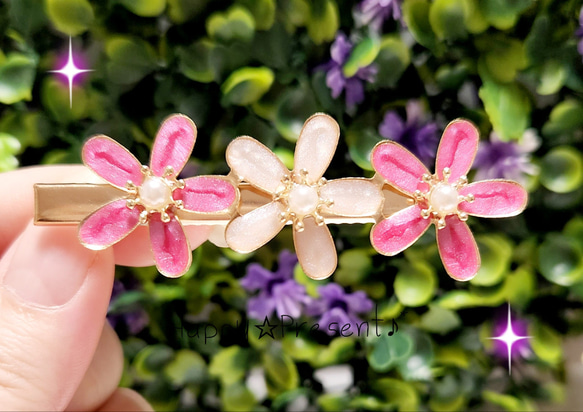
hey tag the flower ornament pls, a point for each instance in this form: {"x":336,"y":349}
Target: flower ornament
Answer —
{"x":153,"y":195}
{"x":444,"y":198}
{"x":301,"y":197}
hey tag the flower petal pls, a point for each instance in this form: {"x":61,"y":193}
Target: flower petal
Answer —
{"x":254,"y":229}
{"x":316,"y":146}
{"x":399,"y":231}
{"x":494,"y":198}
{"x":108,"y":225}
{"x":170,"y":246}
{"x":352,"y":197}
{"x":399,"y":167}
{"x":315,"y":249}
{"x":255,"y":163}
{"x":111,"y":161}
{"x":173,"y":144}
{"x":207,"y":194}
{"x":457,"y":149}
{"x":458,"y":249}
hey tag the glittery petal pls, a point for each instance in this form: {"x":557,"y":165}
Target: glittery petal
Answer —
{"x":457,"y":149}
{"x":255,"y":163}
{"x":108,"y":225}
{"x":458,"y":249}
{"x":494,"y":198}
{"x":111,"y":161}
{"x":254,"y":229}
{"x":352,"y":197}
{"x":170,"y":246}
{"x":316,"y":146}
{"x":399,"y":231}
{"x":399,"y":167}
{"x":173,"y":145}
{"x":315,"y":249}
{"x":206,"y":194}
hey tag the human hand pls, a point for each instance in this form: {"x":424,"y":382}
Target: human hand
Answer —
{"x":56,"y":350}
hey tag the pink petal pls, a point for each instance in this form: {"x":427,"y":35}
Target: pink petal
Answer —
{"x":458,"y":249}
{"x":111,"y":161}
{"x":399,"y":231}
{"x":399,"y":167}
{"x":173,"y":145}
{"x":170,"y":246}
{"x":316,"y":146}
{"x":315,"y":249}
{"x":494,"y":198}
{"x":108,"y":225}
{"x":207,"y":194}
{"x":457,"y":149}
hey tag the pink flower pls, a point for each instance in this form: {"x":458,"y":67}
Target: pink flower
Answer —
{"x":444,"y":198}
{"x":153,"y":195}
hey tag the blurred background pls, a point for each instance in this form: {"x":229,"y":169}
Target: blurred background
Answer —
{"x":384,"y":69}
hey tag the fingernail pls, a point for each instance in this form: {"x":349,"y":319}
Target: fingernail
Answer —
{"x":48,"y":266}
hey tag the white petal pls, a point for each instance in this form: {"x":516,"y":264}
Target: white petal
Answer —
{"x":316,"y":146}
{"x":352,"y":197}
{"x":315,"y":249}
{"x":256,"y":384}
{"x":217,"y":236}
{"x":252,"y":230}
{"x":255,"y":163}
{"x":335,"y":379}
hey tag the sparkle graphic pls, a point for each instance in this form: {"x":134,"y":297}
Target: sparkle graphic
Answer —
{"x":509,"y":337}
{"x":70,"y":70}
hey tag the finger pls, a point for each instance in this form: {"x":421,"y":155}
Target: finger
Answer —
{"x":124,"y":399}
{"x":18,"y":185}
{"x":134,"y":250}
{"x":54,"y":295}
{"x":103,"y":375}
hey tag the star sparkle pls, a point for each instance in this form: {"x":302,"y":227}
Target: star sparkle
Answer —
{"x":70,"y":71}
{"x":509,"y":338}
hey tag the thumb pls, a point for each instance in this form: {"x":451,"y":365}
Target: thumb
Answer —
{"x":54,"y":295}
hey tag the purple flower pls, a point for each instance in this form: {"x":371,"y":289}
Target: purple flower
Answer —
{"x":335,"y":305}
{"x":278,"y":291}
{"x":337,"y":81}
{"x":374,"y":13}
{"x":579,"y":33}
{"x":507,"y":160}
{"x":134,"y":317}
{"x":418,"y":133}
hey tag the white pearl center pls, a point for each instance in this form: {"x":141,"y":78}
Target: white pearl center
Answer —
{"x":444,"y":199}
{"x":155,"y":193}
{"x":303,"y":199}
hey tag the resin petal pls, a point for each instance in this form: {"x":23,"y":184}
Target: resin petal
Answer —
{"x":457,"y":149}
{"x":494,"y":198}
{"x":170,"y":246}
{"x":108,"y":225}
{"x":254,"y":229}
{"x":399,"y":231}
{"x":315,"y":249}
{"x":255,"y":163}
{"x":316,"y":146}
{"x":352,"y":197}
{"x":206,"y":194}
{"x":111,"y":161}
{"x":458,"y":249}
{"x":173,"y":144}
{"x":399,"y":167}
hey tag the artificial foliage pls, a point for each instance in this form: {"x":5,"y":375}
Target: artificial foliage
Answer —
{"x":237,"y":331}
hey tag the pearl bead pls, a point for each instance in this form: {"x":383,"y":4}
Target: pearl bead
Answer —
{"x":444,"y":199}
{"x":155,"y":193}
{"x":303,"y":199}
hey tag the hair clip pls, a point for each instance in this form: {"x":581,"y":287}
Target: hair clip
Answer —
{"x":444,"y":198}
{"x":260,"y":196}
